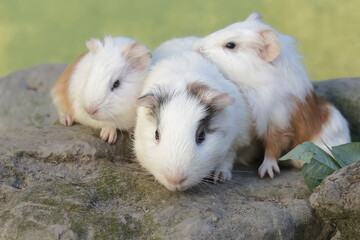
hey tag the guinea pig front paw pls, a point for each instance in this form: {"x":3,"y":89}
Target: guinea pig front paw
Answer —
{"x":221,"y":175}
{"x":66,"y":120}
{"x":108,"y":135}
{"x":268,"y":166}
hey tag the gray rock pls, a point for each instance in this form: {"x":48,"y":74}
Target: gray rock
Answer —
{"x":337,"y":200}
{"x":25,"y":97}
{"x":65,"y":183}
{"x":345,"y":95}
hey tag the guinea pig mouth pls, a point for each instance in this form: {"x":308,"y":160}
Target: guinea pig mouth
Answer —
{"x":174,"y":188}
{"x":177,"y":187}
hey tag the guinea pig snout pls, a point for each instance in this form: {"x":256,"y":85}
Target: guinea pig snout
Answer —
{"x":175,"y":179}
{"x":91,"y":110}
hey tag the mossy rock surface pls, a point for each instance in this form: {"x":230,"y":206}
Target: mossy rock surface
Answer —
{"x":61,"y":182}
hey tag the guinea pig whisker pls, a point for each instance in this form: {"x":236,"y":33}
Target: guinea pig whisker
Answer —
{"x":210,"y":188}
{"x":234,"y":181}
{"x":206,"y":185}
{"x":128,"y":159}
{"x":242,"y":171}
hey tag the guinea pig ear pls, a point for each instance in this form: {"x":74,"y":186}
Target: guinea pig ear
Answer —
{"x":254,"y":17}
{"x":93,"y":45}
{"x":213,"y":98}
{"x":148,"y":100}
{"x":221,"y":101}
{"x":138,"y":54}
{"x":271,"y":47}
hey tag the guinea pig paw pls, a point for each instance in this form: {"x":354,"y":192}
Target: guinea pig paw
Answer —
{"x":221,"y":175}
{"x":66,"y":120}
{"x":108,"y":135}
{"x":268,"y":166}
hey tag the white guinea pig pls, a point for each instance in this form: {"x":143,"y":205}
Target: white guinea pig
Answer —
{"x":190,"y":121}
{"x":101,"y":86}
{"x":267,"y":68}
{"x":173,"y":47}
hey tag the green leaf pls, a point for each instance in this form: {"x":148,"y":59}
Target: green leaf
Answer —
{"x":318,"y":163}
{"x":314,"y":173}
{"x":300,"y":152}
{"x":308,"y":151}
{"x":346,"y":154}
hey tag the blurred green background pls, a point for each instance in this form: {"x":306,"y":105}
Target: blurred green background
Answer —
{"x":44,"y":31}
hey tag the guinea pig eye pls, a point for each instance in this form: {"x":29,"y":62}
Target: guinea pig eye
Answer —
{"x":230,"y":45}
{"x":200,"y":135}
{"x":115,"y":85}
{"x":157,"y":136}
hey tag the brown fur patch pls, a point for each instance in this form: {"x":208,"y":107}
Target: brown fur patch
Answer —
{"x":60,"y":88}
{"x":213,"y":98}
{"x":305,"y":124}
{"x":309,"y":118}
{"x":198,"y":89}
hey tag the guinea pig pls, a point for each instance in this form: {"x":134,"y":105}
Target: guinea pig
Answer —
{"x":173,"y":47}
{"x":267,"y":68}
{"x":100,"y":88}
{"x":190,"y":122}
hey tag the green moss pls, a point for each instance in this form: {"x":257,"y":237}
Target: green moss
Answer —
{"x":115,"y":228}
{"x":38,"y":117}
{"x":76,"y":204}
{"x":78,"y":226}
{"x":5,"y":215}
{"x":13,"y":176}
{"x":24,"y":226}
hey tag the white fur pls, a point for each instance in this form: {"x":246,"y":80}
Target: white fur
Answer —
{"x":90,"y":87}
{"x":334,"y":132}
{"x":177,"y":155}
{"x":173,"y":47}
{"x":272,"y":88}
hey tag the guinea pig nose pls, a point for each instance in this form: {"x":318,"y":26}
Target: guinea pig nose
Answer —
{"x":176,"y":180}
{"x":91,"y":110}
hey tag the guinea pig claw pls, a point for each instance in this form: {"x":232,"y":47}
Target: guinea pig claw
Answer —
{"x":221,"y":175}
{"x":66,"y":120}
{"x":131,"y":133}
{"x":268,"y":166}
{"x":108,"y":135}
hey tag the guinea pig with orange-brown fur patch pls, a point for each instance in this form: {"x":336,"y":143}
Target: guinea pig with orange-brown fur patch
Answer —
{"x":266,"y":67}
{"x":100,"y":88}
